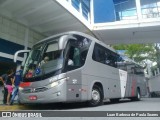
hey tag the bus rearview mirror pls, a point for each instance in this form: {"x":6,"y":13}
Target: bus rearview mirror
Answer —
{"x":64,"y":40}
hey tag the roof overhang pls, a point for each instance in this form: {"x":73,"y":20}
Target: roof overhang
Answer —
{"x":129,"y":32}
{"x":50,"y":17}
{"x":45,"y":16}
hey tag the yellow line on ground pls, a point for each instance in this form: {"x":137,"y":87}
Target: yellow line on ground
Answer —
{"x":12,"y":107}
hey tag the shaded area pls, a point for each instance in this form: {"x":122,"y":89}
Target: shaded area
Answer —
{"x":56,"y":106}
{"x":4,"y":66}
{"x":11,"y":47}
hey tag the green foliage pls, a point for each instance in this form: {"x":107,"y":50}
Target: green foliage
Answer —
{"x":138,"y":52}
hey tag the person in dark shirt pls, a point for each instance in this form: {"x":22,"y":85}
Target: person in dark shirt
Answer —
{"x":4,"y":79}
{"x":18,"y":79}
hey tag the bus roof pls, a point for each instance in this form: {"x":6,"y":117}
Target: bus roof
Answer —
{"x":80,"y":34}
{"x":89,"y":37}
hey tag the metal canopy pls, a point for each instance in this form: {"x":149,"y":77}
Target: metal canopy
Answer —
{"x":45,"y":16}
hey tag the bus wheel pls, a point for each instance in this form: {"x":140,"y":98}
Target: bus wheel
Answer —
{"x":97,"y":97}
{"x":138,"y":96}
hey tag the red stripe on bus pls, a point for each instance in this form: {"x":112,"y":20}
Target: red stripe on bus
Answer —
{"x":25,"y":84}
{"x":133,"y":88}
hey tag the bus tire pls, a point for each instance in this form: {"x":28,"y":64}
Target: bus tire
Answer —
{"x":138,"y":96}
{"x":97,"y":97}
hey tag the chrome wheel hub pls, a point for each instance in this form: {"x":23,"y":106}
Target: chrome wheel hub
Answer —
{"x":95,"y":95}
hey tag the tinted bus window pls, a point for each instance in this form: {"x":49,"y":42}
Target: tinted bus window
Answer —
{"x":76,"y":53}
{"x":104,"y":55}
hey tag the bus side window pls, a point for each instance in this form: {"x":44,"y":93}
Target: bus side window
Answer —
{"x":76,"y":57}
{"x":139,"y":70}
{"x":99,"y":54}
{"x":104,"y":55}
{"x":112,"y":60}
{"x":71,"y":56}
{"x":132,"y":70}
{"x":83,"y":56}
{"x":76,"y":53}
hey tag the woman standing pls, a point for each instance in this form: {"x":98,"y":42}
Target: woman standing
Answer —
{"x":9,"y":85}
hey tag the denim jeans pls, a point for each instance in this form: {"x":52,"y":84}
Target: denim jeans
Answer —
{"x":5,"y":95}
{"x":14,"y":93}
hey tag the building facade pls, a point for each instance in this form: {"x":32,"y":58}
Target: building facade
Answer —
{"x":16,"y":36}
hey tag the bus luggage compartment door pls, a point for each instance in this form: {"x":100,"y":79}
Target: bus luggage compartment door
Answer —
{"x":74,"y":86}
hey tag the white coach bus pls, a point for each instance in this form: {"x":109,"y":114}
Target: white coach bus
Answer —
{"x":75,"y":67}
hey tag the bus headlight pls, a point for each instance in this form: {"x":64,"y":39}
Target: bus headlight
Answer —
{"x":20,"y":88}
{"x":56,"y":83}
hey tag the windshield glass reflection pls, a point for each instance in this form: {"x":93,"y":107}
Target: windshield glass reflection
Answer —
{"x":43,"y":59}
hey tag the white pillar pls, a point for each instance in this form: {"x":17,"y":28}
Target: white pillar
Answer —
{"x":70,"y":1}
{"x":92,"y":12}
{"x":80,"y":7}
{"x":139,"y":11}
{"x":26,"y":39}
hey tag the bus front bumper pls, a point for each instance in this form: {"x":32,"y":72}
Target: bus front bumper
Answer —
{"x":52,"y":95}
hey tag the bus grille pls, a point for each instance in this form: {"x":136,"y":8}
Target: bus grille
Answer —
{"x":34,"y":90}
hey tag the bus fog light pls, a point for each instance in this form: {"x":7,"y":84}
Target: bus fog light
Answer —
{"x":59,"y":93}
{"x":20,"y":88}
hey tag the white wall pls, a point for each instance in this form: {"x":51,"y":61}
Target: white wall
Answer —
{"x":154,"y":83}
{"x":15,"y":32}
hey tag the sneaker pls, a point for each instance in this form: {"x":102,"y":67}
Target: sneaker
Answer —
{"x":4,"y":103}
{"x":11,"y":103}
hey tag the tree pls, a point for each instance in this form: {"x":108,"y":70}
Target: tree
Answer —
{"x":157,"y":48}
{"x":138,"y":52}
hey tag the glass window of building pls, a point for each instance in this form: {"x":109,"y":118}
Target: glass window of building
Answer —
{"x":76,"y":4}
{"x":82,"y":6}
{"x":150,"y":8}
{"x":125,"y":9}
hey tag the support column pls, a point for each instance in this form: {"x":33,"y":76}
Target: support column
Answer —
{"x":80,"y":7}
{"x":70,"y":2}
{"x":26,"y":39}
{"x":92,"y":12}
{"x":139,"y":11}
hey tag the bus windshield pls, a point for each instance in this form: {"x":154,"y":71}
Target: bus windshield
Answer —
{"x":48,"y":58}
{"x":43,"y":59}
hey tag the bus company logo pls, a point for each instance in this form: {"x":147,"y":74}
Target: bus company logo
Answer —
{"x":32,"y":90}
{"x":6,"y":114}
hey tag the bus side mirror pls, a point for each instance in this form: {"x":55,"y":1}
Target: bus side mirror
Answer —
{"x":64,"y":40}
{"x":18,"y":52}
